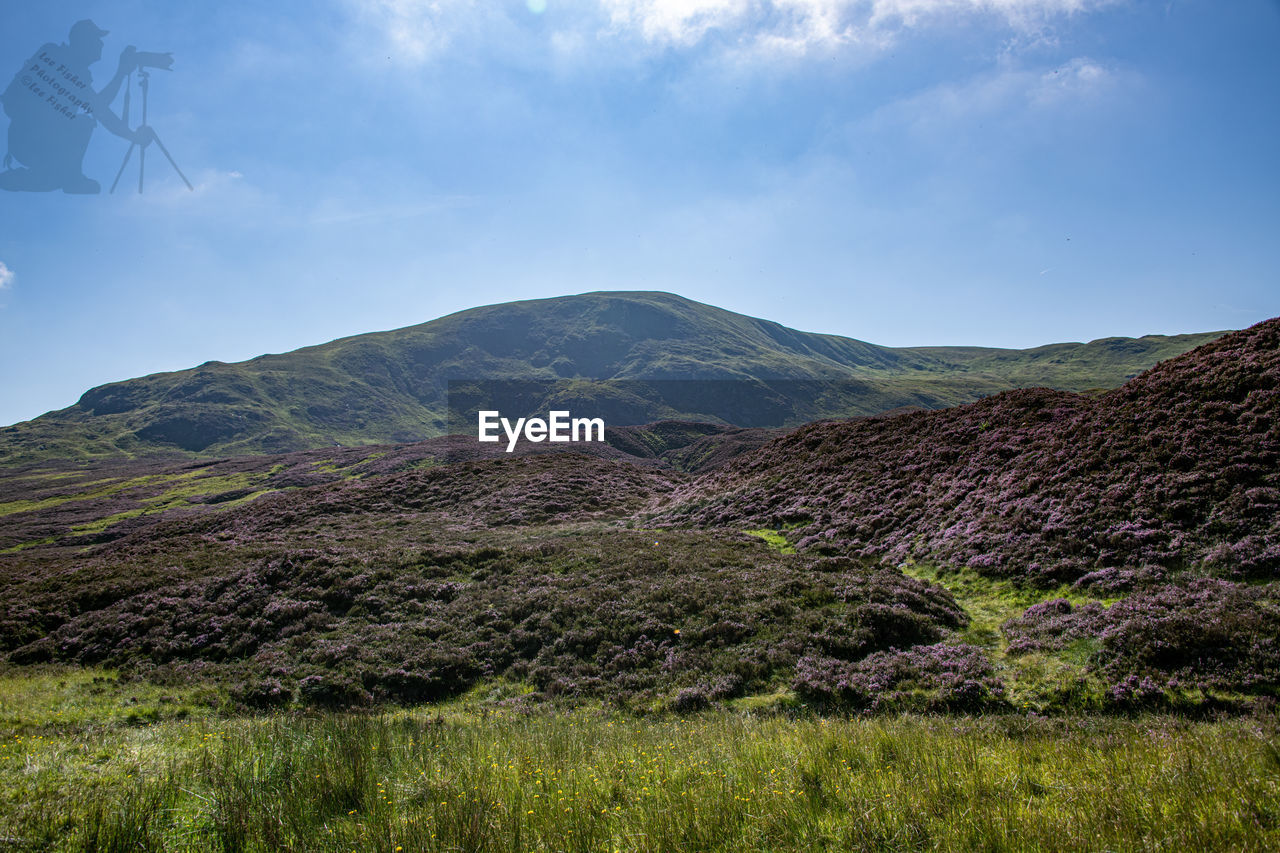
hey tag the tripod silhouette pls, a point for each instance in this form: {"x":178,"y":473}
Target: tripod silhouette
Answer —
{"x":144,"y":81}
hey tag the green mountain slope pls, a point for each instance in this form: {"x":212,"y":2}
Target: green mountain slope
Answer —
{"x":392,"y":386}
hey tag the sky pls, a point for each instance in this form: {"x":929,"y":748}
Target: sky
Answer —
{"x":906,"y":172}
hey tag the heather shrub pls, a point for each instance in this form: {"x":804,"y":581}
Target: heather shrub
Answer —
{"x":333,"y":690}
{"x":702,"y":696}
{"x":1136,"y":693}
{"x":934,"y":677}
{"x":1052,"y":626}
{"x":1178,"y":468}
{"x":1204,"y":634}
{"x":1213,"y":633}
{"x":1112,"y":580}
{"x":261,"y":694}
{"x":617,"y":615}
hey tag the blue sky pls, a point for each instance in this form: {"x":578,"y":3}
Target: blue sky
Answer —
{"x":907,"y":172}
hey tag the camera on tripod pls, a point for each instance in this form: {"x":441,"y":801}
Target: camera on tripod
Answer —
{"x":142,"y":60}
{"x":151,"y":59}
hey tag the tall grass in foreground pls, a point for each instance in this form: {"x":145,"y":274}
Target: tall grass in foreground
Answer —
{"x":584,"y":782}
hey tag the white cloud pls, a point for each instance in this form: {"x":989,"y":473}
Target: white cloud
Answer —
{"x":1008,"y":92}
{"x":764,"y":27}
{"x":413,"y":27}
{"x":416,"y":31}
{"x":6,"y":276}
{"x":803,"y":25}
{"x":1020,"y":13}
{"x":679,"y":22}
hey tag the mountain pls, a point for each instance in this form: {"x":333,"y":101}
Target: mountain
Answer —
{"x":632,"y":357}
{"x":1178,"y":468}
{"x":916,"y":561}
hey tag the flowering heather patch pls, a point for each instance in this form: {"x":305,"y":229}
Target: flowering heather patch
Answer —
{"x":59,"y":502}
{"x":1114,"y":580}
{"x":552,"y":487}
{"x":1207,"y":635}
{"x":1178,"y":468}
{"x":623,"y":615}
{"x":934,"y":677}
{"x":1053,"y":625}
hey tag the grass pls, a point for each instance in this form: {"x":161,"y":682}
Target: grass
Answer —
{"x":1036,"y":682}
{"x":106,"y":488}
{"x":34,"y":543}
{"x":176,"y":499}
{"x":46,"y":700}
{"x":774,"y":539}
{"x":77,"y":774}
{"x":135,"y":496}
{"x":990,"y":602}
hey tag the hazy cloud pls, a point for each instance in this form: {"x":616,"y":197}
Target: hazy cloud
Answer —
{"x":416,"y":31}
{"x":1020,"y":13}
{"x":1008,"y":91}
{"x":1080,"y":78}
{"x":6,"y":276}
{"x":342,"y":211}
{"x":760,"y":26}
{"x":800,"y":25}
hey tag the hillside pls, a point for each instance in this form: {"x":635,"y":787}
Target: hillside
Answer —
{"x":631,"y":357}
{"x":66,"y":505}
{"x":1037,"y":549}
{"x":1179,"y":467}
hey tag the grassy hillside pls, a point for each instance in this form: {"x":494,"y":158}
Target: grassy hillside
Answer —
{"x":69,"y":505}
{"x":392,"y":386}
{"x":1036,"y":549}
{"x":1176,"y":468}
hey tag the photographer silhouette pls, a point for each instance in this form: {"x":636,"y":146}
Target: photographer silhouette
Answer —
{"x":53,"y":109}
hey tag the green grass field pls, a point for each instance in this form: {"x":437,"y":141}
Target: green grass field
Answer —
{"x":90,"y":762}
